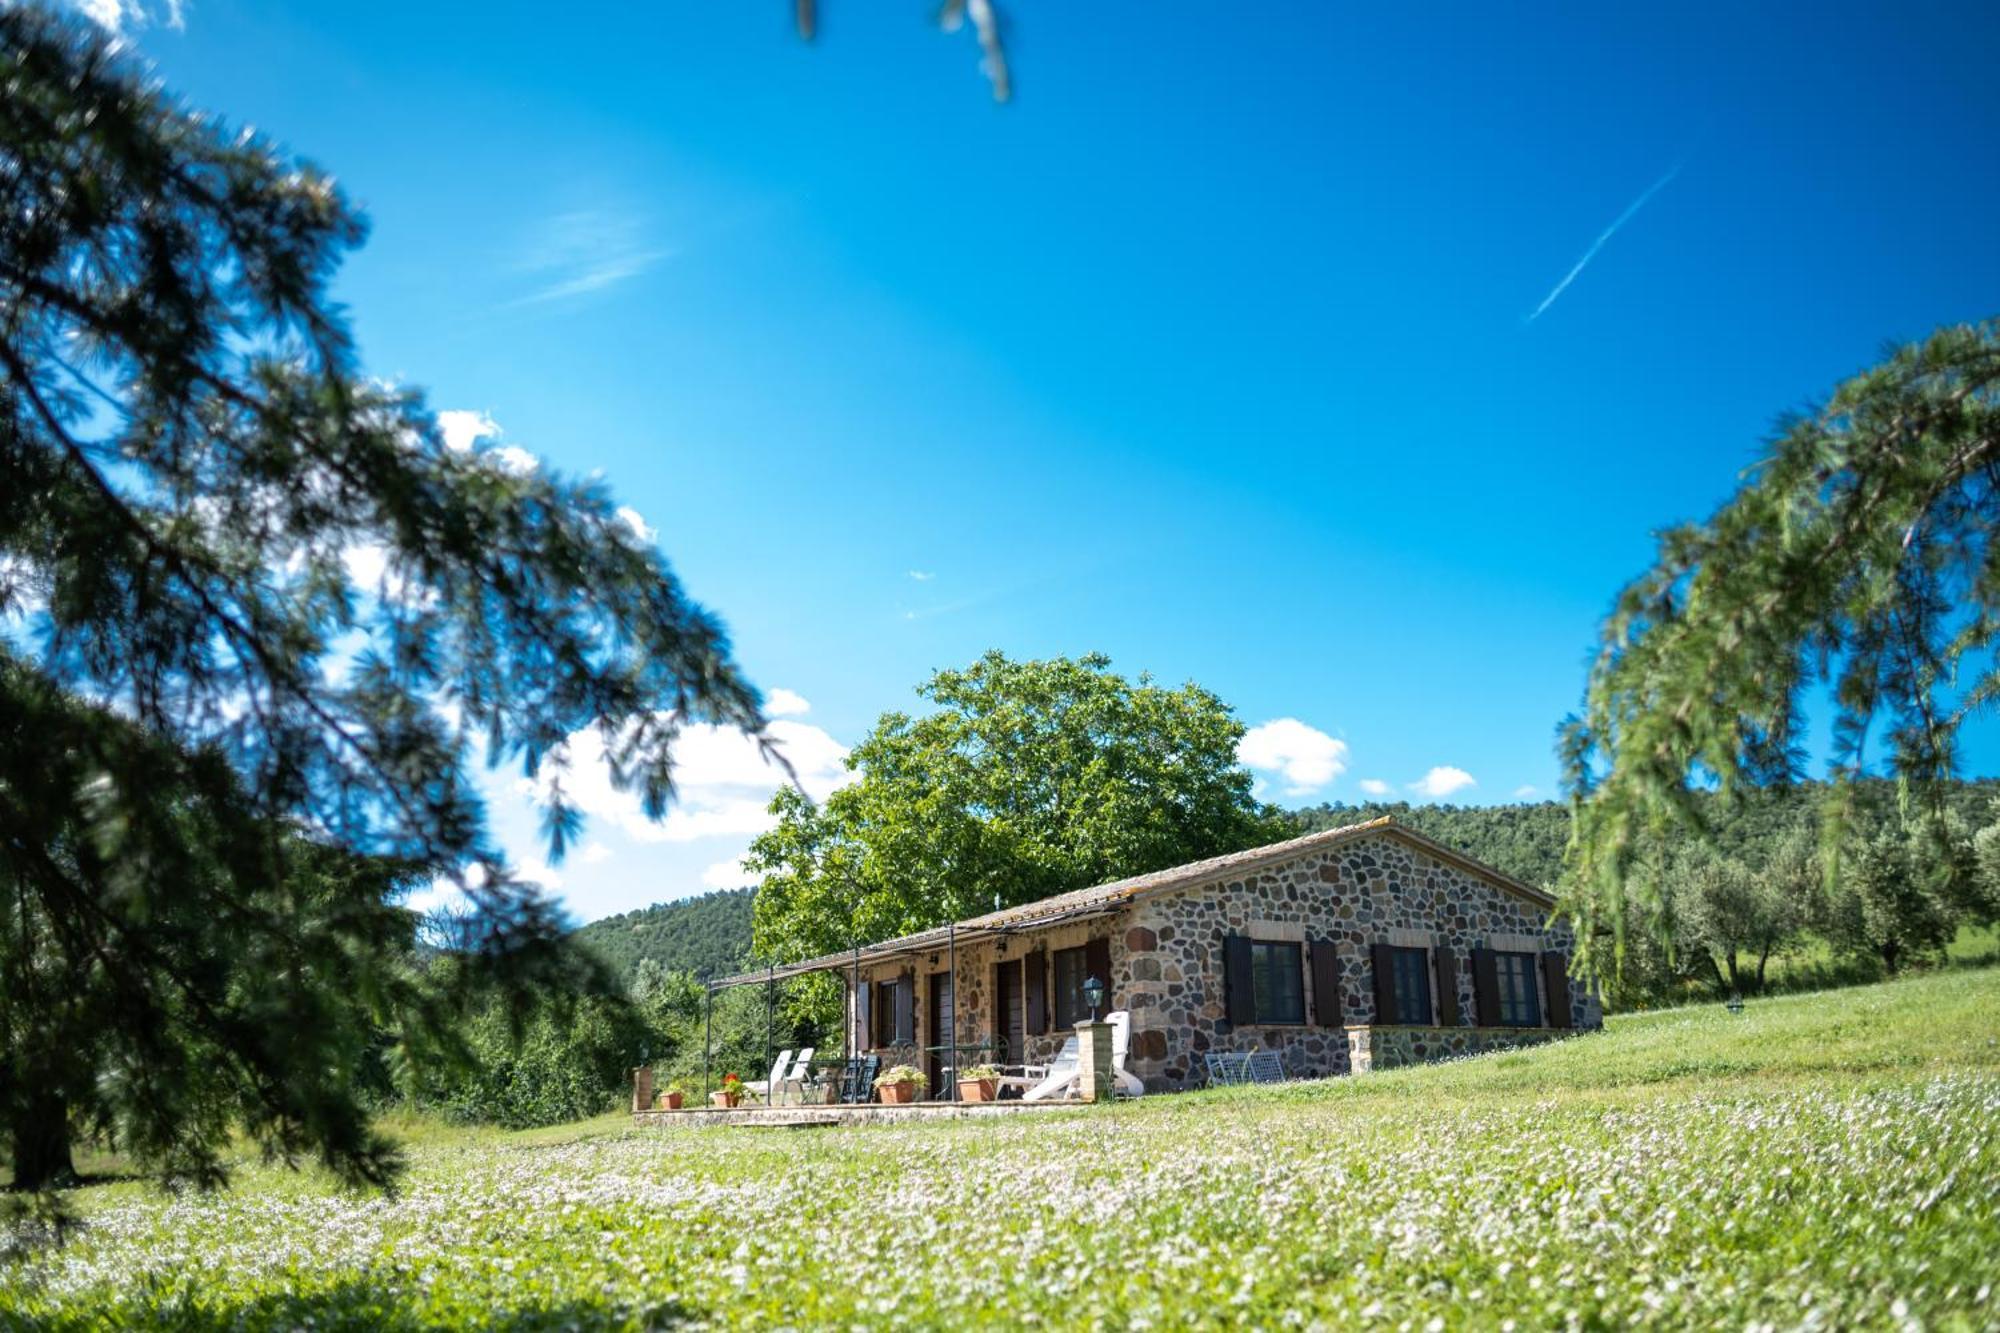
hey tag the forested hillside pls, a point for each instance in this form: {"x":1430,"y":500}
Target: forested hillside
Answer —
{"x":704,"y":936}
{"x":710,"y":935}
{"x":1527,"y":841}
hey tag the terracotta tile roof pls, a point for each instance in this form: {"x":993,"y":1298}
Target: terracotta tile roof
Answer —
{"x":1102,"y":898}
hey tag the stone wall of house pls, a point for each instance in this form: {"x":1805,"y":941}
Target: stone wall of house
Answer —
{"x":1381,"y":1046}
{"x":1166,"y":959}
{"x":1356,"y":893}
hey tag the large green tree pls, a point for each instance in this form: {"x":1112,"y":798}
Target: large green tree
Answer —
{"x":1028,"y":779}
{"x":255,"y":611}
{"x":1857,"y":558}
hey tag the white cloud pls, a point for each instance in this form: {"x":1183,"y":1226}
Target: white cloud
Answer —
{"x":512,"y":459}
{"x":539,"y":872}
{"x":634,"y":520}
{"x":443,"y":893}
{"x":1375,"y":786}
{"x":785,"y":703}
{"x":1443,"y":781}
{"x":1306,"y":757}
{"x":922,"y":575}
{"x":113,"y":15}
{"x":728,"y":875}
{"x":722,"y":784}
{"x":594,"y":853}
{"x":366,"y":563}
{"x":1526,"y":790}
{"x":20,"y":599}
{"x":439,"y":893}
{"x":463,"y":429}
{"x":574,"y":254}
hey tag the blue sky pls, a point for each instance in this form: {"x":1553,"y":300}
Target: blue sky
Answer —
{"x":1212,"y":351}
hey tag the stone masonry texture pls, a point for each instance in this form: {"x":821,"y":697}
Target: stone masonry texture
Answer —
{"x":1166,"y":954}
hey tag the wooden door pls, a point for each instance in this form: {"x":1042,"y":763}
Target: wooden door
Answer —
{"x":938,"y":1064}
{"x":1010,"y":1029}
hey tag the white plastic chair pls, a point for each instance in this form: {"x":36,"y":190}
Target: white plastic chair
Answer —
{"x":1121,"y":1045}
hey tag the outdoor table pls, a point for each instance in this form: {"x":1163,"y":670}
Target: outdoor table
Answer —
{"x":955,"y":1051}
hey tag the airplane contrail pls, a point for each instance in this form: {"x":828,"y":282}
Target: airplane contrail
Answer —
{"x":1604,"y":236}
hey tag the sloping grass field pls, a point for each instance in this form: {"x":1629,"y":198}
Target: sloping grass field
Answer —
{"x":1823,"y":1161}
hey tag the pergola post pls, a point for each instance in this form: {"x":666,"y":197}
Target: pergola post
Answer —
{"x":854,"y":1019}
{"x":770,"y":1008}
{"x":951,"y":1038}
{"x":707,"y":1036}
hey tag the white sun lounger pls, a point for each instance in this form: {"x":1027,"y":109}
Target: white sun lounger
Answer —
{"x":791,"y":1087}
{"x":1060,"y":1077}
{"x":762,"y":1087}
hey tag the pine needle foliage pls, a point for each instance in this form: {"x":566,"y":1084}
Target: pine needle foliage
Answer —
{"x":1858,"y":559}
{"x":258,"y":620}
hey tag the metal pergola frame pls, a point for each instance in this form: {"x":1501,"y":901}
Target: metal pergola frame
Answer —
{"x":943,"y":939}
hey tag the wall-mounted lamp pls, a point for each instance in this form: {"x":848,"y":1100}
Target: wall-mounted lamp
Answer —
{"x":1093,"y":995}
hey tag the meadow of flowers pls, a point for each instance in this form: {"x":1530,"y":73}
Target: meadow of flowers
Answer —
{"x":1825,"y":1161}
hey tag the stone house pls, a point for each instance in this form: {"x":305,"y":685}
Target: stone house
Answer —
{"x":1345,"y":950}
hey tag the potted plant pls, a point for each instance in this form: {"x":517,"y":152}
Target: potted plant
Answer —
{"x":673,"y":1096}
{"x":730,"y":1093}
{"x":900,"y":1084}
{"x":980,"y":1083}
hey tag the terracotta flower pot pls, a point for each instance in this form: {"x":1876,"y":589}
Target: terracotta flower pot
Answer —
{"x":672,"y":1101}
{"x":979,"y":1089}
{"x":724,"y":1099}
{"x":896,"y":1094}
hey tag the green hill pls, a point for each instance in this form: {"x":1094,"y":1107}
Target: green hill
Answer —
{"x":707,"y":936}
{"x":1527,"y":840}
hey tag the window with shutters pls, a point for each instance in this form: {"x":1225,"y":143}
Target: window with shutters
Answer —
{"x":1277,"y":980}
{"x":1069,"y":968}
{"x":892,"y":1015}
{"x":1515,"y":973}
{"x":1411,"y":974}
{"x":882,"y":1014}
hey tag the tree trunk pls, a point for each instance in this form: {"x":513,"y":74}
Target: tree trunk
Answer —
{"x":1721,"y":981}
{"x":40,"y":1144}
{"x":1891,"y":952}
{"x":1762,"y":959}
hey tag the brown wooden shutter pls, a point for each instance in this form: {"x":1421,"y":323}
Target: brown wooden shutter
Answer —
{"x":1097,"y":963}
{"x":1326,"y":983}
{"x":1385,"y":983}
{"x":1035,"y":992}
{"x":864,"y":1027}
{"x":906,"y":1008}
{"x":1555,"y":976}
{"x":1447,"y":970}
{"x":1239,"y":994}
{"x":1485,"y":988}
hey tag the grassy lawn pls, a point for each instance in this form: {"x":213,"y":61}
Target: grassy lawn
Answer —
{"x":1822,"y":1161}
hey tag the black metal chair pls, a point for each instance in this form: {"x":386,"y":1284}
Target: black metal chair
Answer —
{"x":857,"y":1079}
